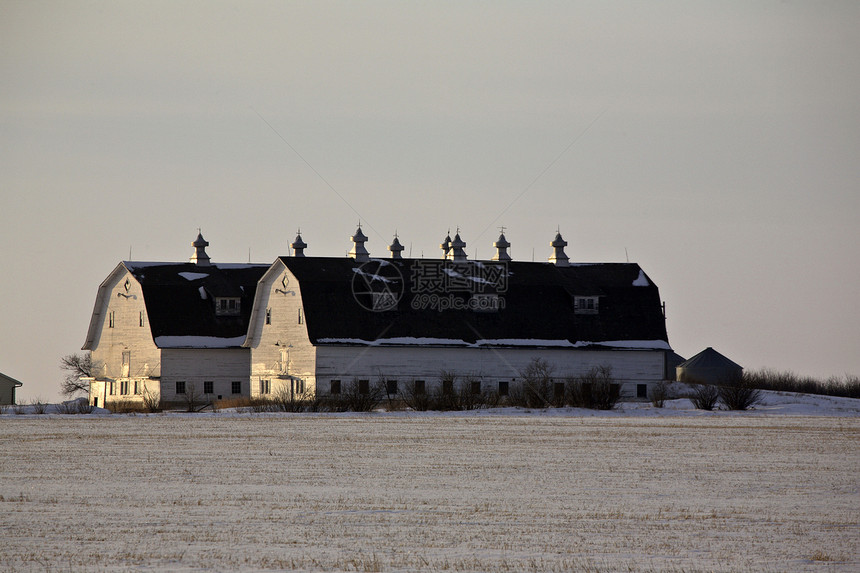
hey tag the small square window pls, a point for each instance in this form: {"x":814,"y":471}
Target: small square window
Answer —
{"x":476,"y":387}
{"x":420,"y":387}
{"x":335,"y":386}
{"x":180,"y":387}
{"x":504,"y":388}
{"x":364,"y":386}
{"x":208,"y":387}
{"x":236,"y":387}
{"x":447,"y":387}
{"x":642,"y":390}
{"x":391,"y":387}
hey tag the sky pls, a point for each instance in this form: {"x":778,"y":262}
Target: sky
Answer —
{"x":714,"y":143}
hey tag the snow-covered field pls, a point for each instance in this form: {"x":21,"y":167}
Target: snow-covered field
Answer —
{"x":636,"y":489}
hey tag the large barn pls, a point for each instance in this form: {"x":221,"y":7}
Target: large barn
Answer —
{"x":313,"y":325}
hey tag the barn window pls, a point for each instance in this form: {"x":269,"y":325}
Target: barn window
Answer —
{"x":301,"y":317}
{"x":504,"y":388}
{"x":123,"y":387}
{"x":364,"y":386}
{"x":447,"y":387}
{"x":111,"y":388}
{"x":642,"y":390}
{"x":265,"y":387}
{"x":180,"y":387}
{"x":558,"y":391}
{"x":335,"y":387}
{"x":585,"y":305}
{"x":391,"y":387}
{"x":208,"y":387}
{"x":140,"y":322}
{"x":476,"y":387}
{"x":268,"y":316}
{"x":420,"y":387}
{"x":236,"y":387}
{"x":228,"y":306}
{"x":111,"y":319}
{"x":138,"y":387}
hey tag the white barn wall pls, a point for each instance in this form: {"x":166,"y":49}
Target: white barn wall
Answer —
{"x":345,"y":363}
{"x":130,"y":333}
{"x":222,"y":366}
{"x":282,"y":352}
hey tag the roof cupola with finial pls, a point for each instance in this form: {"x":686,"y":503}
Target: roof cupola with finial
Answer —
{"x":299,"y":245}
{"x":559,"y":258}
{"x":396,"y":248}
{"x":458,"y":248}
{"x":502,"y":247}
{"x":446,"y":245}
{"x":200,"y":257}
{"x":358,"y":252}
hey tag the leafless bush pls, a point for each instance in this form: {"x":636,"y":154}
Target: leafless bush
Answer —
{"x":537,"y":386}
{"x":847,"y":386}
{"x":358,"y":396}
{"x":39,"y":407}
{"x":578,"y":393}
{"x":416,"y":397}
{"x":284,"y":400}
{"x":151,"y":400}
{"x":739,"y":394}
{"x":704,"y":396}
{"x":126,"y":406}
{"x":19,"y":409}
{"x":602,"y":389}
{"x":659,"y":394}
{"x":4,"y":408}
{"x":193,"y":398}
{"x":68,"y":407}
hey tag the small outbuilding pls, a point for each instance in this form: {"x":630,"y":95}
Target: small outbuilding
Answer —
{"x":7,"y":389}
{"x":709,"y":367}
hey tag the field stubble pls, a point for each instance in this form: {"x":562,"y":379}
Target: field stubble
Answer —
{"x":392,"y":492}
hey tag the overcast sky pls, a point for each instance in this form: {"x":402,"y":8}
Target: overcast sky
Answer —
{"x":714,"y":143}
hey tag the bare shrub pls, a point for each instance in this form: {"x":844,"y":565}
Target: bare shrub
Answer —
{"x":19,"y":409}
{"x":84,"y":406}
{"x":360,"y":396}
{"x":597,"y":388}
{"x":151,"y":401}
{"x":847,"y":386}
{"x":659,"y":394}
{"x":416,"y":397}
{"x":704,"y":396}
{"x":537,"y":384}
{"x":4,"y":408}
{"x":125,"y":406}
{"x":739,"y":394}
{"x":284,"y":400}
{"x":39,"y":407}
{"x":193,"y":398}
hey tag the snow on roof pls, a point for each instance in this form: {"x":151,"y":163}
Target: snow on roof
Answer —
{"x":641,"y":280}
{"x":198,"y":342}
{"x":193,"y":276}
{"x":524,"y":342}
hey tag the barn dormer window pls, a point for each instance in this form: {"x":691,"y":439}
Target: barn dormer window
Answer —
{"x":228,"y":306}
{"x":585,"y":305}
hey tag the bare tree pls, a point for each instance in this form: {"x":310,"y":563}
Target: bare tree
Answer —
{"x":193,"y":398}
{"x":76,"y":366}
{"x":537,"y":383}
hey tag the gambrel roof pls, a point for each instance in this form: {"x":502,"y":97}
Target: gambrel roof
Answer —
{"x":180,"y":302}
{"x":537,"y":308}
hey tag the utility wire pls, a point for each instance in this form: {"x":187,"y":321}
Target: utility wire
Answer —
{"x":545,"y":169}
{"x":318,"y":174}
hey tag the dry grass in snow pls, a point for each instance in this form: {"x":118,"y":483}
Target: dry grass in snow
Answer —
{"x":383,"y":492}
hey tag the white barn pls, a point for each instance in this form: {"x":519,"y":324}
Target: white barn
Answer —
{"x":311,"y":325}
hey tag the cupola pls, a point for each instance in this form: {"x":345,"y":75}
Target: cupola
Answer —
{"x":558,"y":257}
{"x":358,"y":252}
{"x":396,"y":248}
{"x":446,"y":245}
{"x":501,"y":248}
{"x":200,"y":258}
{"x":458,"y":252}
{"x":299,"y":245}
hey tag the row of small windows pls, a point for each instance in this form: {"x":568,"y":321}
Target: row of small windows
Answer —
{"x":418,"y":387}
{"x":125,"y":387}
{"x":208,"y":387}
{"x":301,"y":316}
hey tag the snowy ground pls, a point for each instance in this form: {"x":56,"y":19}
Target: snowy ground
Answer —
{"x":636,"y":489}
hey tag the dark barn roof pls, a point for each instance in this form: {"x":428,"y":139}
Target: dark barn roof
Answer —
{"x":177,"y":307}
{"x":538,"y":301}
